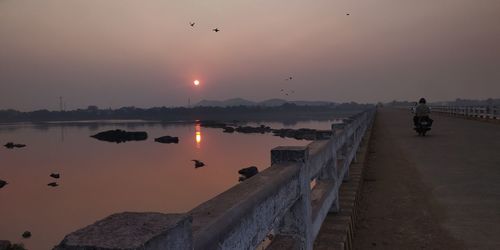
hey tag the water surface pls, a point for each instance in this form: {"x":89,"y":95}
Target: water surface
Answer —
{"x":100,"y":178}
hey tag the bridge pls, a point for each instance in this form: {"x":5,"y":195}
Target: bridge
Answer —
{"x":443,"y":190}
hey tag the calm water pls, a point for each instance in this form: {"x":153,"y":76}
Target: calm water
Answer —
{"x":100,"y":178}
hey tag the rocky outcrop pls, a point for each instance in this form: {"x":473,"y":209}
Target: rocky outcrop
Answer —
{"x":4,"y":244}
{"x":119,"y":136}
{"x":167,"y":139}
{"x":298,"y":134}
{"x":228,"y":130}
{"x":212,"y":124}
{"x":248,"y":129}
{"x":11,"y":145}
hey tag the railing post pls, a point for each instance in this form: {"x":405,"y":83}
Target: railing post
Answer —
{"x":296,"y":223}
{"x":342,"y":151}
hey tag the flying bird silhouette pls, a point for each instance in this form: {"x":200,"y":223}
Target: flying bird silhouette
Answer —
{"x":192,"y":24}
{"x":198,"y":164}
{"x":55,"y":175}
{"x":3,"y":183}
{"x":289,"y":78}
{"x":216,"y":30}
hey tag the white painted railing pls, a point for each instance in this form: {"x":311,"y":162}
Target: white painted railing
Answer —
{"x":278,"y":199}
{"x":487,"y":112}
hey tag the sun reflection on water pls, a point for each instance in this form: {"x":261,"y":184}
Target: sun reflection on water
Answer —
{"x":198,"y":135}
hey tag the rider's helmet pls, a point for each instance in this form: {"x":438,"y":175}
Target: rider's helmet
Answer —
{"x":422,"y":100}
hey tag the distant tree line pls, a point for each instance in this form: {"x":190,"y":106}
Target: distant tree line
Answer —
{"x":283,"y":112}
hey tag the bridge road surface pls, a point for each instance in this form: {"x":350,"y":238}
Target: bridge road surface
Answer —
{"x":441,"y":191}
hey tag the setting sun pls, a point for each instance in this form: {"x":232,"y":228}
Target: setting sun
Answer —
{"x":196,"y":82}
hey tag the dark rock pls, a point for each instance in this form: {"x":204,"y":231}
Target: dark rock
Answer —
{"x":248,"y":172}
{"x":212,"y":124}
{"x":248,"y":129}
{"x":119,"y":136}
{"x":4,"y":244}
{"x":11,"y":145}
{"x":228,"y":130}
{"x":53,"y":184}
{"x":3,"y":183}
{"x":167,"y":139}
{"x":26,"y":234}
{"x":16,"y":247}
{"x":55,"y":175}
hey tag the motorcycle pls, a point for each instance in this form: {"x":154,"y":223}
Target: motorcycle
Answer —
{"x":423,"y":125}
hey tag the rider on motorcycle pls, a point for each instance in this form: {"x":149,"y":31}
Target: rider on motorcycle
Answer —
{"x":422,"y":112}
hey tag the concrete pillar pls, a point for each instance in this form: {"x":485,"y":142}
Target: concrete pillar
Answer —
{"x":297,"y":221}
{"x":329,"y":173}
{"x":337,"y":128}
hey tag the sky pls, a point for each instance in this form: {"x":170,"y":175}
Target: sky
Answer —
{"x":114,"y":53}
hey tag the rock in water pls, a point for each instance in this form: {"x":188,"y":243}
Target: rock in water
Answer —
{"x":11,"y":145}
{"x":228,"y":130}
{"x":119,"y":136}
{"x":26,"y":234}
{"x":167,"y":139}
{"x":248,"y":172}
{"x":248,"y":129}
{"x":3,"y":183}
{"x":212,"y":124}
{"x":4,"y":244}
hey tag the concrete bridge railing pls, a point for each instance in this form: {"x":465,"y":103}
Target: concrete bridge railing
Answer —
{"x":290,"y":199}
{"x":486,"y":112}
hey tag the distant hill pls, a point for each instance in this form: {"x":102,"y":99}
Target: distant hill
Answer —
{"x":268,"y":103}
{"x":273,"y":102}
{"x":226,"y":103}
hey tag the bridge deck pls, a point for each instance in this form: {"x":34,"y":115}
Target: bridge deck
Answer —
{"x":439,"y":192}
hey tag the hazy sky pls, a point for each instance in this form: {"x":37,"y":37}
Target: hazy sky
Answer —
{"x":114,"y":53}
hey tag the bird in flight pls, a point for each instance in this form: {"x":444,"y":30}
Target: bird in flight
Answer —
{"x":191,"y":24}
{"x":55,"y":175}
{"x":198,"y":164}
{"x":216,"y":29}
{"x":289,"y":78}
{"x":3,"y":183}
{"x":347,"y":14}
